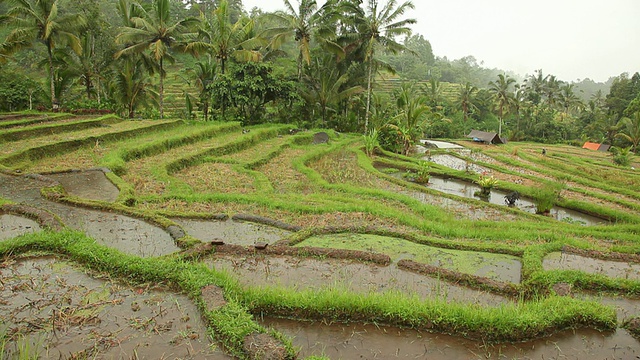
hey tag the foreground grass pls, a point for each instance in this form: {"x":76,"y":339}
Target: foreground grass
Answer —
{"x":198,"y":170}
{"x":231,"y":323}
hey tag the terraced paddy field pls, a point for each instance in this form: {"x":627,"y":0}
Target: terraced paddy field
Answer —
{"x":173,"y":239}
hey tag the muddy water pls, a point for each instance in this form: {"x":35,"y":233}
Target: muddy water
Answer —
{"x":354,"y":341}
{"x":130,"y":235}
{"x":460,"y":209}
{"x":456,"y":163}
{"x":614,"y":269}
{"x":232,"y":232}
{"x":12,"y":226}
{"x":468,"y":190}
{"x":499,"y":267}
{"x":90,"y":184}
{"x":308,"y":273}
{"x":55,"y":310}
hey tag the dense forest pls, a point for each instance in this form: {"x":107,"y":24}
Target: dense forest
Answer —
{"x":351,"y":65}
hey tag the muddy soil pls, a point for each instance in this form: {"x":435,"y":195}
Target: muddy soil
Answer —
{"x":354,"y":341}
{"x":12,"y":226}
{"x":88,"y":184}
{"x":232,"y":232}
{"x":614,"y":269}
{"x":129,"y":235}
{"x":310,"y":273}
{"x":54,"y":309}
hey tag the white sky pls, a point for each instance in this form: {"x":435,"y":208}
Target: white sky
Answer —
{"x":572,"y":39}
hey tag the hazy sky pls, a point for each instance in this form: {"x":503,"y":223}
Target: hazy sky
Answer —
{"x":572,"y":39}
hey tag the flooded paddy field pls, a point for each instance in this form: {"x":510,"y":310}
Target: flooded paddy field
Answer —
{"x":232,"y":231}
{"x":370,"y":341}
{"x":55,"y":308}
{"x":316,"y":274}
{"x":12,"y":226}
{"x":613,"y":269}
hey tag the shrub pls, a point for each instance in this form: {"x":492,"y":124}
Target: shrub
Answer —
{"x":486,"y":183}
{"x":422,"y":175}
{"x":390,"y":139}
{"x":370,"y":141}
{"x":621,"y":156}
{"x":546,"y":196}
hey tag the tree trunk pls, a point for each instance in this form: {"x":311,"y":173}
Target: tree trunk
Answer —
{"x":161,"y":91}
{"x":300,"y":66}
{"x":224,"y":101}
{"x":54,"y":101}
{"x":366,"y":115}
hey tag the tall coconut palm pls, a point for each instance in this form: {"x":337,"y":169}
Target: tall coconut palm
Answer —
{"x":204,"y":74}
{"x":155,"y":31}
{"x":502,"y":94}
{"x":326,"y":86}
{"x":221,"y":38}
{"x":377,"y":30}
{"x":39,"y":21}
{"x":551,"y":90}
{"x":130,"y":84}
{"x":434,"y":93}
{"x":568,"y":99}
{"x":466,"y":102}
{"x":301,"y":24}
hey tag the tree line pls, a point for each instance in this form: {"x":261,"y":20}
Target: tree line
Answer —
{"x":308,"y":64}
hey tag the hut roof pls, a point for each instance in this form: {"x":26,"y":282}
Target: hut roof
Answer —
{"x":487,"y":137}
{"x":596,"y":146}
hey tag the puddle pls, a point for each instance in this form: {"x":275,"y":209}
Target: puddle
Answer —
{"x":355,"y":341}
{"x":625,"y":307}
{"x":129,"y":235}
{"x":466,"y":189}
{"x":614,"y":269}
{"x":504,"y":268}
{"x":55,"y":310}
{"x":126,"y":234}
{"x":456,"y":163}
{"x":12,"y":226}
{"x":232,"y":232}
{"x":441,"y":144}
{"x":90,"y":184}
{"x":310,"y":273}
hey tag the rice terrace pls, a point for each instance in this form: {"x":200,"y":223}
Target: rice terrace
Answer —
{"x":188,"y":239}
{"x":204,"y":180}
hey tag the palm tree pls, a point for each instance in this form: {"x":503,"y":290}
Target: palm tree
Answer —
{"x":632,"y":130}
{"x":411,"y":116}
{"x":326,"y":86}
{"x":568,"y":99}
{"x":221,"y":38}
{"x":130,"y":85}
{"x":551,"y":90}
{"x":534,"y":86}
{"x":302,"y":24}
{"x":205,"y":73}
{"x":41,"y":22}
{"x":434,"y":93}
{"x":502,"y":96}
{"x":466,"y":102}
{"x":377,"y":28}
{"x":156,"y":32}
